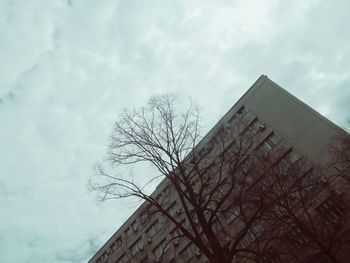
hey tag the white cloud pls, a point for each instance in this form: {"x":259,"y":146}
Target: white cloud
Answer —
{"x":68,"y":68}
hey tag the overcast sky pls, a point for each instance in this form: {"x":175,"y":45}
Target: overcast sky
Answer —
{"x":68,"y":68}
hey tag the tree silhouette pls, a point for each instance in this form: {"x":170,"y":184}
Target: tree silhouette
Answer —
{"x":229,"y":195}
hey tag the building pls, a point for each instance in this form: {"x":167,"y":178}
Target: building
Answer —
{"x":279,"y":122}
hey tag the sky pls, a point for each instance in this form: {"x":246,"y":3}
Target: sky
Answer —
{"x":68,"y":69}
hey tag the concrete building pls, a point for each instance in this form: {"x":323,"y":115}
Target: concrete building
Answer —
{"x":273,"y":112}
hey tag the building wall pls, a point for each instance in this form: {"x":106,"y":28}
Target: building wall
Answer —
{"x":309,"y":133}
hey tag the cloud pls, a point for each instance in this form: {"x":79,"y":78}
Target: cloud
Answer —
{"x":69,"y":67}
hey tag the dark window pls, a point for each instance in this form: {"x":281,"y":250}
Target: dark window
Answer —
{"x":137,"y":247}
{"x":217,"y":226}
{"x":232,"y":213}
{"x":253,"y":128}
{"x":233,"y":148}
{"x":128,"y":231}
{"x":297,"y":235}
{"x":134,"y":226}
{"x":173,"y":210}
{"x":160,"y":249}
{"x":270,"y":142}
{"x":176,"y":233}
{"x":188,"y":252}
{"x":287,"y":161}
{"x":333,"y":208}
{"x":153,"y":229}
{"x":122,"y":259}
{"x":247,"y":239}
{"x":116,"y":244}
{"x":237,"y":117}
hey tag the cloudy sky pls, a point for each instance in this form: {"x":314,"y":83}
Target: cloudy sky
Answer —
{"x":67,"y":69}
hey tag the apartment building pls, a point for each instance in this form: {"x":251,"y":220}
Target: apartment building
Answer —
{"x":280,"y":123}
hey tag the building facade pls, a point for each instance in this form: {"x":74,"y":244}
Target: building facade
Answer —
{"x":280,"y":123}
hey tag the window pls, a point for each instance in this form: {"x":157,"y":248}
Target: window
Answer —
{"x":153,"y":229}
{"x":247,"y":164}
{"x":134,"y":226}
{"x":270,"y":142}
{"x":188,"y":252}
{"x":162,"y":196}
{"x":194,"y":216}
{"x":119,"y":241}
{"x":166,"y":192}
{"x":137,"y":247}
{"x":258,"y":228}
{"x":116,"y":244}
{"x":176,"y":232}
{"x":186,"y":225}
{"x":221,"y":190}
{"x":147,"y":213}
{"x":293,"y":157}
{"x":128,"y":231}
{"x":287,"y":161}
{"x":159,"y":198}
{"x":172,"y":210}
{"x":237,"y":117}
{"x":205,"y":150}
{"x":123,"y":259}
{"x":242,"y":111}
{"x":217,"y":226}
{"x":212,"y":142}
{"x":333,"y":208}
{"x":247,"y":239}
{"x":143,"y":217}
{"x":104,"y":257}
{"x":232,"y":213}
{"x":243,"y":173}
{"x":253,"y":128}
{"x":160,"y":249}
{"x":204,"y":237}
{"x":297,"y":235}
{"x":233,"y":148}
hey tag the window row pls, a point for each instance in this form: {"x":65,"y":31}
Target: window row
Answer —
{"x":237,"y":118}
{"x":269,"y":143}
{"x":112,"y":248}
{"x":157,"y":252}
{"x":333,"y":208}
{"x":253,"y":128}
{"x":150,"y":232}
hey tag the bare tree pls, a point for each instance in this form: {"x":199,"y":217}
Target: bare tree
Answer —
{"x":232,"y":197}
{"x":341,"y":155}
{"x":310,"y":217}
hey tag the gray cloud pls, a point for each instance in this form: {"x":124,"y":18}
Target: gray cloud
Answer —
{"x":69,"y":67}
